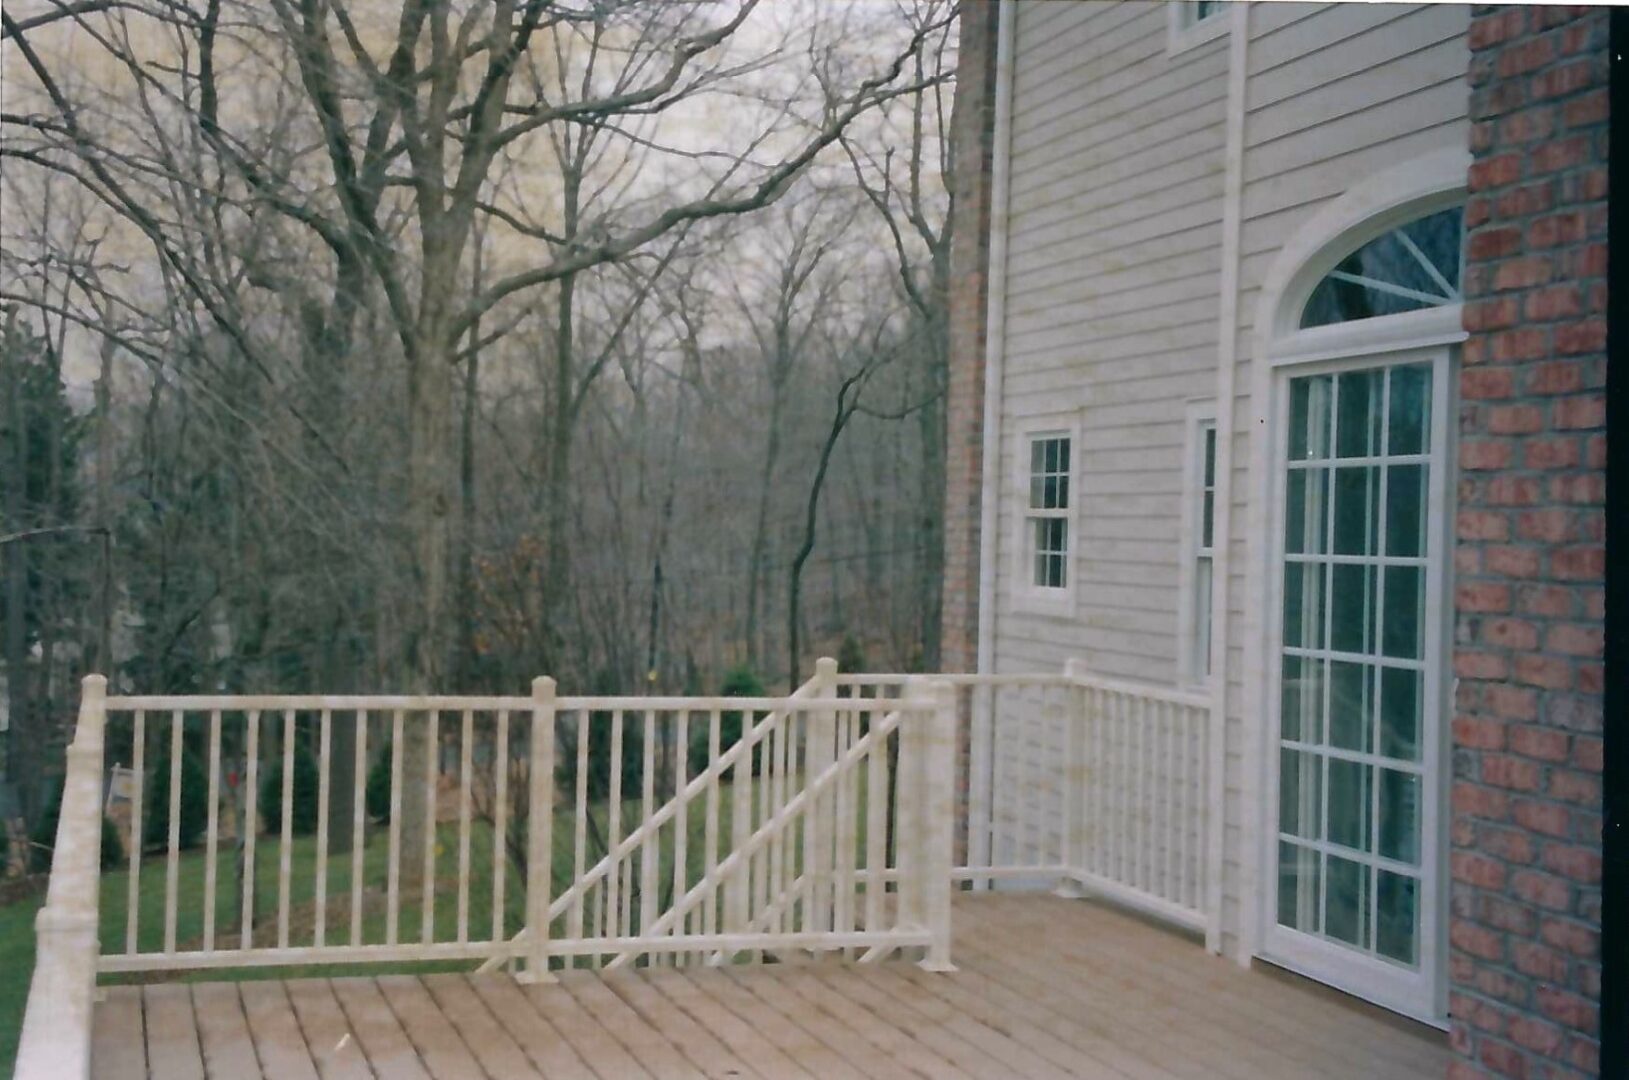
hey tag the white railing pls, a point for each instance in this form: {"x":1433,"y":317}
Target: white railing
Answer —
{"x":57,"y":1026}
{"x":1096,"y":786}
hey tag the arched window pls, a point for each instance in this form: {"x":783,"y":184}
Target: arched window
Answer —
{"x":1411,"y":267}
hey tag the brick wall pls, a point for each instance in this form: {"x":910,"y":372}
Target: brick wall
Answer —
{"x":1529,"y":558}
{"x":973,"y":127}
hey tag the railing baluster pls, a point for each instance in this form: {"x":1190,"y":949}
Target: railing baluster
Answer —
{"x":251,"y":786}
{"x":648,"y":849}
{"x":738,"y":890}
{"x":285,"y":856}
{"x":540,"y":829}
{"x":138,"y":778}
{"x":1184,"y":879}
{"x":393,"y":872}
{"x":613,"y":910}
{"x":876,"y":827}
{"x":359,"y":814}
{"x":500,"y":823}
{"x":172,"y":872}
{"x":681,"y":821}
{"x":579,"y":849}
{"x":212,"y":828}
{"x":432,"y":772}
{"x":765,"y":783}
{"x":324,"y":726}
{"x":709,"y":918}
{"x":466,"y":766}
{"x":1172,"y":825}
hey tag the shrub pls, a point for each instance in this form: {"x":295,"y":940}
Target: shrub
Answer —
{"x":156,"y":799}
{"x":850,"y":655}
{"x":378,"y":785}
{"x":738,"y":682}
{"x":599,"y":755}
{"x":304,"y":815}
{"x":44,"y":839}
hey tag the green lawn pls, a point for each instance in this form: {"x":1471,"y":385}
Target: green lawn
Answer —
{"x":16,"y":919}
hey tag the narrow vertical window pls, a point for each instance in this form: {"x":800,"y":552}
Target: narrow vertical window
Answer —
{"x":1204,"y":552}
{"x":1047,"y":511}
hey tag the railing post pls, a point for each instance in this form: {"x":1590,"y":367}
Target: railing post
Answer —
{"x":56,"y":1031}
{"x":1074,"y":780}
{"x":540,"y":833}
{"x":821,"y":752}
{"x":936,"y":807}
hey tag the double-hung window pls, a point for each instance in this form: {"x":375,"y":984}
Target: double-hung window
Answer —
{"x":1194,"y":22}
{"x":1047,"y":512}
{"x":1204,"y":552}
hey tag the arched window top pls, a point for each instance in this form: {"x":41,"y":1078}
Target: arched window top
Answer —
{"x":1413,"y":266}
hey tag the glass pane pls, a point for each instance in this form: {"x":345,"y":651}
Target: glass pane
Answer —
{"x":1357,"y":428}
{"x":1300,"y":779}
{"x":1305,"y":511}
{"x":1037,"y":456}
{"x":1352,"y":608}
{"x":1357,"y":510}
{"x":1303,"y":605}
{"x":1051,"y":460}
{"x":1037,"y":492}
{"x":1349,"y":801}
{"x":1298,"y":887}
{"x":1402,"y":703}
{"x":1413,"y":267}
{"x":1410,"y":407}
{"x":1049,"y":492}
{"x":1201,"y":605}
{"x":1350,"y":713}
{"x":1399,"y":815}
{"x":1309,"y":417}
{"x":1210,"y":457}
{"x":1063,"y":493}
{"x":1207,"y":526}
{"x":1395,"y":905}
{"x":1405,"y":510}
{"x":1303,"y":699}
{"x":1040,"y":569}
{"x":1437,"y":236}
{"x":1405,"y":604}
{"x":1346,"y":900}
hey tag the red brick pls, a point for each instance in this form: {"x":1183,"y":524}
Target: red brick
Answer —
{"x":1544,"y":890}
{"x":1479,"y":870}
{"x":1581,"y":411}
{"x":1576,"y":863}
{"x":1587,"y":563}
{"x":1555,"y":302}
{"x":1476,"y":384}
{"x":1525,"y":56}
{"x":1544,"y":671}
{"x":1480,"y":664}
{"x":1576,"y":639}
{"x":1485,"y":454}
{"x":1482,"y":597}
{"x":1479,"y":733}
{"x":1540,"y":742}
{"x":1480,"y":800}
{"x":1528,"y":125}
{"x":1515,"y":773}
{"x":1538,"y":961}
{"x":1502,"y":1059}
{"x":1542,"y":817}
{"x":1554,"y":230}
{"x":1509,"y":845}
{"x":1515,"y":419}
{"x":1512,"y":702}
{"x":1563,"y":79}
{"x":1575,"y":787}
{"x":1492,"y":29}
{"x":1476,"y":940}
{"x":1533,"y":1034}
{"x":1495,"y":172}
{"x":1550,"y":600}
{"x":1525,"y":200}
{"x":1551,"y":453}
{"x":1583,"y":336}
{"x":1523,"y":272}
{"x":1510,"y":633}
{"x":1482,"y":525}
{"x":1587,"y":488}
{"x":1588,"y":753}
{"x":1521,"y":562}
{"x":1591,"y":108}
{"x":1550,"y":525}
{"x":1566,"y":1008}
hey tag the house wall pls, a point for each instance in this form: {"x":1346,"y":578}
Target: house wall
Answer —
{"x":1122,"y":286}
{"x":1526,"y":821}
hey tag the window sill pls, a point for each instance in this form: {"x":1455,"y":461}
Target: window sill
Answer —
{"x":1049,"y":603}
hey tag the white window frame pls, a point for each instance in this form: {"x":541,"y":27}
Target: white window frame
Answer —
{"x":1027,"y":596}
{"x":1417,"y":994}
{"x":1200,"y":418}
{"x":1185,"y":30}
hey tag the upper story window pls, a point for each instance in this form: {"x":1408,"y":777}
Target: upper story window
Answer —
{"x":1194,"y":22}
{"x":1047,"y":511}
{"x":1413,"y":266}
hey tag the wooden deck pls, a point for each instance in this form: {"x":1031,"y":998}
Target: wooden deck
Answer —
{"x":1045,"y":988}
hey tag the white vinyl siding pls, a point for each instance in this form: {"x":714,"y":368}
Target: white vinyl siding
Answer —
{"x":1114,"y":271}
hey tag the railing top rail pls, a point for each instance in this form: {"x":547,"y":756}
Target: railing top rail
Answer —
{"x":1153,"y":691}
{"x":410,"y":703}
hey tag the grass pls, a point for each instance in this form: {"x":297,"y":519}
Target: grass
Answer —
{"x":16,"y":919}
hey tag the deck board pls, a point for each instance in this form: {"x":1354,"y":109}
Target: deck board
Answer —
{"x":1045,"y":987}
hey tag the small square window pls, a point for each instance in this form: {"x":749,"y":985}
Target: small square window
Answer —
{"x":1194,"y":22}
